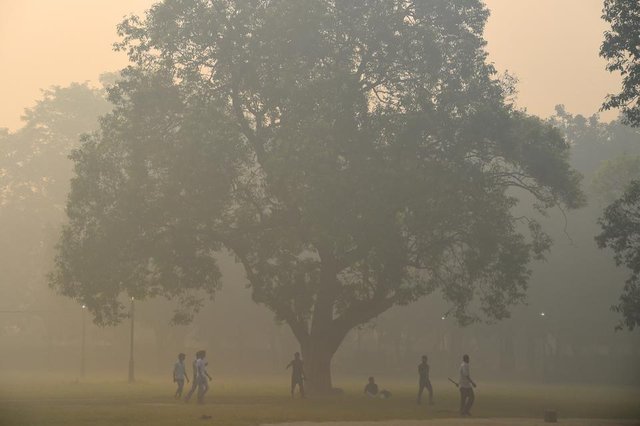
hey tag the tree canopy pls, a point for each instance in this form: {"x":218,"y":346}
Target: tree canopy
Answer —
{"x":34,"y":167}
{"x":351,"y":155}
{"x":607,"y":154}
{"x":621,"y":48}
{"x":613,"y":177}
{"x":34,"y":182}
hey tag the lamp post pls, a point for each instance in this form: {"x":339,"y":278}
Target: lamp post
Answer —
{"x":82,"y":357}
{"x":131,"y":375}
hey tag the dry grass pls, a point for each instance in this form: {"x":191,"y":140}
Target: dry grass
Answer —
{"x":266,"y":402}
{"x":475,"y":422}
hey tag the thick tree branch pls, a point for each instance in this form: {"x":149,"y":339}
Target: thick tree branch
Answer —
{"x":361,"y":312}
{"x":327,"y":293}
{"x":298,"y":326}
{"x":245,"y":127}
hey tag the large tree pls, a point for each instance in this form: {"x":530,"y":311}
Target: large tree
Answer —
{"x":351,"y":155}
{"x":621,"y":48}
{"x":617,"y":183}
{"x":34,"y":182}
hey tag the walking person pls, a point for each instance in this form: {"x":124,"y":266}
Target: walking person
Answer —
{"x":297,"y":374}
{"x":466,"y":385}
{"x":180,"y":374}
{"x":194,"y":382}
{"x":423,"y":380}
{"x":203,"y":376}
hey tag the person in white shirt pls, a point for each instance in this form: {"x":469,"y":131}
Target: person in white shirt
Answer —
{"x":180,"y":374}
{"x":194,"y":382}
{"x":466,"y":385}
{"x":202,"y":376}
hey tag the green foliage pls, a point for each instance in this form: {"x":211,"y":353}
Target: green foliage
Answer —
{"x":593,"y":141}
{"x":351,"y":155}
{"x":613,"y":177}
{"x":621,"y":47}
{"x":606,"y":154}
{"x":139,"y":213}
{"x":34,"y":182}
{"x":35,"y":168}
{"x":620,"y":232}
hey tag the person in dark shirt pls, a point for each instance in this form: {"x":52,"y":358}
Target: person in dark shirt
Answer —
{"x":423,"y":380}
{"x":297,"y":374}
{"x":371,"y":389}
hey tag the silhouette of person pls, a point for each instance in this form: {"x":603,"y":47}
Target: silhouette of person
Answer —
{"x":466,"y":385}
{"x":194,"y":382}
{"x":179,"y":375}
{"x":371,"y":388}
{"x":202,"y":376}
{"x":297,"y":374}
{"x":423,"y":380}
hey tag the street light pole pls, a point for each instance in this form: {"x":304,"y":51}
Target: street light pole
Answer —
{"x":84,"y":328}
{"x":131,"y":375}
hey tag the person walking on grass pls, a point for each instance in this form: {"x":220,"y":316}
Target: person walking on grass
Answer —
{"x":180,"y":374}
{"x":423,"y":380}
{"x":466,"y":385}
{"x":194,"y":382}
{"x":297,"y":374}
{"x":202,"y":376}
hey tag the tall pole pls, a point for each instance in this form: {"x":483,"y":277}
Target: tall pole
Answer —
{"x":84,"y":328}
{"x":131,"y":376}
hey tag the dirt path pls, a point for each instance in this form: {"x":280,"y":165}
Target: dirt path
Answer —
{"x":473,"y":422}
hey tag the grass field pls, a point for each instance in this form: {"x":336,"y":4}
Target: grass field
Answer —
{"x":253,"y":403}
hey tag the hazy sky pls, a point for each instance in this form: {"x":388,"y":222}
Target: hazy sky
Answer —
{"x":550,"y":45}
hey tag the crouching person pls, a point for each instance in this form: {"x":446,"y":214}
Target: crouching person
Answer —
{"x":372,"y":391}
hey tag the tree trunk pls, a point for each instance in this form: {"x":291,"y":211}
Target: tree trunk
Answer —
{"x":317,"y":367}
{"x":320,"y":339}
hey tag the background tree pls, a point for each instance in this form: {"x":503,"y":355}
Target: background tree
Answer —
{"x":621,"y":47}
{"x":34,"y":182}
{"x":352,"y":157}
{"x":613,"y":177}
{"x":620,"y":228}
{"x":607,"y":155}
{"x":593,"y":141}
